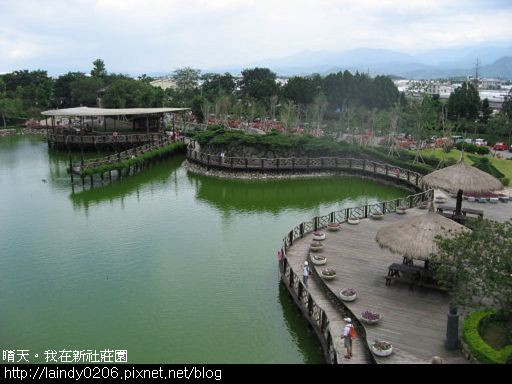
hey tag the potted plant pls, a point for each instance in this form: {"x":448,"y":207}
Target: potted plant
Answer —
{"x":377,"y":215}
{"x":348,"y":294}
{"x":333,"y":227}
{"x":381,"y":348}
{"x":353,"y":220}
{"x":318,"y":259}
{"x":370,"y":317}
{"x":318,"y":236}
{"x":328,"y":273}
{"x":316,"y":246}
{"x":401,"y":210}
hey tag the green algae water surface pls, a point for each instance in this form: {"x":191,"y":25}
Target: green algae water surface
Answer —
{"x":171,"y":266}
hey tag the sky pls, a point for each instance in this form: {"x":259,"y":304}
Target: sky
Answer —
{"x":150,"y":36}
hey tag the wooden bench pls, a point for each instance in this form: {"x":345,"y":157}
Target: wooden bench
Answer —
{"x":465,"y":211}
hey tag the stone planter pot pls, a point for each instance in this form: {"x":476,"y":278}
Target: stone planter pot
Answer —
{"x":353,"y":221}
{"x":333,"y":227}
{"x":423,"y":205}
{"x":494,"y":200}
{"x":327,"y":277}
{"x":347,"y":298}
{"x":401,"y":210}
{"x":320,"y":261}
{"x":377,"y":216}
{"x":370,"y":321}
{"x":471,"y":199}
{"x":380,"y":352}
{"x":440,"y":200}
{"x":318,"y":236}
{"x":316,"y":246}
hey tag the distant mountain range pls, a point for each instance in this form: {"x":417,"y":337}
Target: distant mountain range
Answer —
{"x":494,"y":61}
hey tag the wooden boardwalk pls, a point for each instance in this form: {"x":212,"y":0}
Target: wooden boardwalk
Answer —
{"x":414,"y":321}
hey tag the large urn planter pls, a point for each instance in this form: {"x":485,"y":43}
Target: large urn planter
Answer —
{"x":377,"y":215}
{"x":471,"y":199}
{"x":316,"y":246}
{"x":381,"y":348}
{"x":328,"y":274}
{"x":318,"y":259}
{"x":353,"y":220}
{"x":370,"y":317}
{"x":348,"y":294}
{"x":333,"y":227}
{"x":401,"y":210}
{"x":318,"y":236}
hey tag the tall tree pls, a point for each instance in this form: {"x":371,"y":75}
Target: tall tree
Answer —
{"x":486,"y":111}
{"x":259,"y":84}
{"x":98,"y":69}
{"x":464,"y":102}
{"x":186,"y":78}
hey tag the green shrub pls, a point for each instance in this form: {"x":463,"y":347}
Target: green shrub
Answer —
{"x":484,"y":164}
{"x":505,"y":181}
{"x":472,"y":148}
{"x":482,"y":351}
{"x":141,"y":159}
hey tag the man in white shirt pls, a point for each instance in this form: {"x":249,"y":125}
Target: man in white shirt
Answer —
{"x":347,"y":338}
{"x":307,"y":272}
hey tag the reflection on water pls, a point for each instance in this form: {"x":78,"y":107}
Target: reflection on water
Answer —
{"x":173,"y":267}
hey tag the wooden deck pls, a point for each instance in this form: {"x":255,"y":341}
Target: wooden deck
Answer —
{"x":414,"y":321}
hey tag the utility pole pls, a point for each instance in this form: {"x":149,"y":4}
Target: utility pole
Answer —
{"x":477,"y":65}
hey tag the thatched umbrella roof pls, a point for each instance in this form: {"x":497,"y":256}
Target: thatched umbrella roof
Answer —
{"x":414,"y":238}
{"x":462,"y":176}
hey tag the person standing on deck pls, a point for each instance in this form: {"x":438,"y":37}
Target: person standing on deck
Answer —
{"x":348,"y":335}
{"x":306,"y":274}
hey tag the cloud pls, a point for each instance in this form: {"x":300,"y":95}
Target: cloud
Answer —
{"x":159,"y":35}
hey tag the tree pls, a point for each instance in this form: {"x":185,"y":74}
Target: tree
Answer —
{"x":506,"y":108}
{"x":486,"y":111}
{"x":464,"y":103}
{"x":98,"y":70}
{"x":215,"y":84}
{"x":186,"y":78}
{"x":259,"y":84}
{"x":62,"y":89}
{"x":301,"y":90}
{"x":476,"y":267}
{"x":84,"y":91}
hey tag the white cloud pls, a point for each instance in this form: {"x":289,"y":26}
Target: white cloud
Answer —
{"x":158,"y":35}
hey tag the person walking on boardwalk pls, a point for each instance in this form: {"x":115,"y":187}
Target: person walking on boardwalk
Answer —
{"x":349,"y":333}
{"x":307,"y":272}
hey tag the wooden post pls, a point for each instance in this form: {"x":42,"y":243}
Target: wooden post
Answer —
{"x":147,"y":124}
{"x":301,"y":230}
{"x":110,"y":175}
{"x":91,"y":181}
{"x":387,"y":170}
{"x":71,"y":169}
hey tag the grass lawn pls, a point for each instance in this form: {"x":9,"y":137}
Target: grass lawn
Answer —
{"x":503,"y":165}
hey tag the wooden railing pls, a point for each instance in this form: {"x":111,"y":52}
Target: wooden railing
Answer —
{"x":121,"y":156}
{"x":132,"y":138}
{"x":310,"y":309}
{"x":306,"y":164}
{"x":319,"y":222}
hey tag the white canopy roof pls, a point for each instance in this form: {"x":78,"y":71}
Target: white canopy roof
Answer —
{"x":86,"y":111}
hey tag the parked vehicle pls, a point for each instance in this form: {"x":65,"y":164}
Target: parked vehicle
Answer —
{"x":480,"y":142}
{"x":500,"y":147}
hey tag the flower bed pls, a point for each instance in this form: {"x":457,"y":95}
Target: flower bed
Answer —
{"x":348,"y":294}
{"x":370,"y":317}
{"x":318,"y":259}
{"x":353,"y":220}
{"x":478,"y":348}
{"x":318,"y":236}
{"x":316,"y":246}
{"x":381,"y":348}
{"x":333,"y":227}
{"x":328,"y":273}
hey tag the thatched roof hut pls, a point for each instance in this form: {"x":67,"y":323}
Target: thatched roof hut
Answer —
{"x":462,"y":176}
{"x":415,"y":238}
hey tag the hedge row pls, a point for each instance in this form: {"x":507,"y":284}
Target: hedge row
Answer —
{"x":472,"y":148}
{"x":480,"y":350}
{"x":138,"y":160}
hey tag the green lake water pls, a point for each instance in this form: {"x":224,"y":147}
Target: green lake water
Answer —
{"x":168,"y":265}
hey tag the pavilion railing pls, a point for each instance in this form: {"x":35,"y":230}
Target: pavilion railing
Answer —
{"x":302,"y":164}
{"x":132,"y":138}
